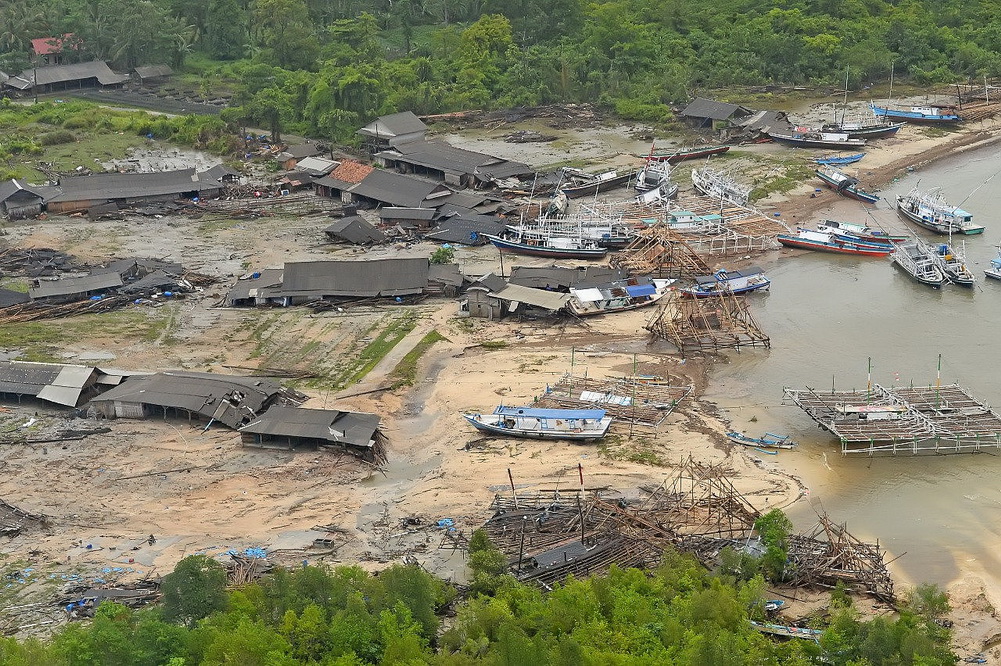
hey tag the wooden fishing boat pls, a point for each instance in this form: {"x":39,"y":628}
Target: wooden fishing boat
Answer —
{"x":603,"y":232}
{"x":859,"y":231}
{"x":994,"y":270}
{"x":741,"y":281}
{"x":618,"y":296}
{"x":809,"y":239}
{"x":719,"y":185}
{"x":918,"y":261}
{"x":953,"y":264}
{"x":535,"y":423}
{"x":809,"y":138}
{"x":931,"y":211}
{"x":878,"y":129}
{"x":566,"y":247}
{"x":844,"y":184}
{"x":932,"y":115}
{"x":653,"y":175}
{"x":767,"y":441}
{"x":682,"y":154}
{"x":834,"y":160}
{"x":592,"y":184}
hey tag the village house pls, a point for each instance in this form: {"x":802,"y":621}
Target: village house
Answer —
{"x":80,"y":193}
{"x":19,"y":200}
{"x":703,"y":113}
{"x":53,"y":50}
{"x":55,"y":78}
{"x":148,"y":75}
{"x":393,"y":130}
{"x":297,"y":427}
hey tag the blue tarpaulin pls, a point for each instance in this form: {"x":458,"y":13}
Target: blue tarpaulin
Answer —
{"x":641,"y":290}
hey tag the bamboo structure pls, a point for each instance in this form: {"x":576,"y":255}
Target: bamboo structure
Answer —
{"x":913,"y":420}
{"x":660,"y":252}
{"x":706,"y":324}
{"x":632,"y":400}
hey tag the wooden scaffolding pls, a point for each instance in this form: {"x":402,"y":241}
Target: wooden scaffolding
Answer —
{"x":706,"y":324}
{"x":660,"y":252}
{"x":639,"y":401}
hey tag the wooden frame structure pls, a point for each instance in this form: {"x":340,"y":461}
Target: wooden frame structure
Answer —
{"x":660,"y":252}
{"x":905,"y":420}
{"x":706,"y":324}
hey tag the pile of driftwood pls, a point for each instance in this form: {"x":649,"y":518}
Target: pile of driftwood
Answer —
{"x":14,"y":520}
{"x":36,"y":262}
{"x":36,"y":310}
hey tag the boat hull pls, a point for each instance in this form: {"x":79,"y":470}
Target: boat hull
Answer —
{"x":591,"y":189}
{"x":917,"y":117}
{"x":873,"y":132}
{"x":851,"y":191}
{"x":545,"y":251}
{"x":682,"y":155}
{"x":533,"y":434}
{"x":769,"y":441}
{"x":843,"y":248}
{"x":834,"y":161}
{"x":803,"y":142}
{"x":937,"y":227}
{"x":694,"y":293}
{"x":935,"y":282}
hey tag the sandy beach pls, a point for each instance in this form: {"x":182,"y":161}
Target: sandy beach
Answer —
{"x":438,"y":467}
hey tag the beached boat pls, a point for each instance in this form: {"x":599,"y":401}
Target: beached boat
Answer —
{"x":808,"y":239}
{"x":994,"y":270}
{"x":844,"y":184}
{"x":535,"y":423}
{"x":953,"y":264}
{"x":859,"y":231}
{"x":834,"y":160}
{"x":652,"y":175}
{"x":740,"y":281}
{"x":682,"y":154}
{"x":931,"y":211}
{"x":767,"y":441}
{"x":719,"y":185}
{"x":918,"y":261}
{"x":879,"y":128}
{"x":567,"y":247}
{"x":801,"y":137}
{"x":581,"y":184}
{"x":604,"y":232}
{"x":919,"y":114}
{"x":618,"y":296}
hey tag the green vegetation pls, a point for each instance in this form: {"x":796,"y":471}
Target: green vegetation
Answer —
{"x":640,"y":450}
{"x":405,"y":372}
{"x":494,"y":344}
{"x":443,"y":255}
{"x":377,"y":349}
{"x":677,"y":614}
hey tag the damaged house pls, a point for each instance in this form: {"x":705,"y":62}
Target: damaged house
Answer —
{"x":230,"y":400}
{"x":294,"y":427}
{"x":121,"y":190}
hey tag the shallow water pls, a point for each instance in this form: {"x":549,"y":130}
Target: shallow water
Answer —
{"x":826,"y":316}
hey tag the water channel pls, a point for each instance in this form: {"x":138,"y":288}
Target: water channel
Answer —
{"x":827,"y":315}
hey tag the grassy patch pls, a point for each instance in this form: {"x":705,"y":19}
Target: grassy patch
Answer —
{"x":639,"y":450}
{"x":405,"y":372}
{"x":494,"y":344}
{"x":88,"y":147}
{"x":786,"y":176}
{"x":377,"y":349}
{"x":206,"y":227}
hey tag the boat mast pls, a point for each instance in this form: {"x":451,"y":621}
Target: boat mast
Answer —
{"x":844,"y":106}
{"x":889,"y":96}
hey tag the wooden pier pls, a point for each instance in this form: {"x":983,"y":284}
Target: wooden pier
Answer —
{"x":912,"y":420}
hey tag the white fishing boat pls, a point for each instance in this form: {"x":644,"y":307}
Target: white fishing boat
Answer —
{"x":719,"y":185}
{"x":536,"y":423}
{"x":953,"y":264}
{"x":652,"y":175}
{"x":723,"y":282}
{"x":617,"y":296}
{"x":931,"y":211}
{"x":994,"y":270}
{"x":918,"y":261}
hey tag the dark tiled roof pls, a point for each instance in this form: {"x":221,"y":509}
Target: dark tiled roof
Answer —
{"x":379,"y":277}
{"x":350,"y":428}
{"x":390,"y":213}
{"x":707,"y":108}
{"x":355,"y":229}
{"x":395,"y":189}
{"x":77,"y":285}
{"x":10,"y":187}
{"x":557,"y":277}
{"x":130,"y":185}
{"x":153,"y":71}
{"x":76,"y":72}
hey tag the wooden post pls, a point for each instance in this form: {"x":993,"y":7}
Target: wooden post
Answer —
{"x":521,"y":548}
{"x":514,"y":493}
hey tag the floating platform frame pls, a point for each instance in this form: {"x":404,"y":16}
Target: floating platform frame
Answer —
{"x":903,"y":421}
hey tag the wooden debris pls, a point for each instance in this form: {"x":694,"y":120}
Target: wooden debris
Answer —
{"x":706,"y":324}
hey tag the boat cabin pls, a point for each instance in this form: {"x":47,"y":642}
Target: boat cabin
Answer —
{"x":872,"y":412}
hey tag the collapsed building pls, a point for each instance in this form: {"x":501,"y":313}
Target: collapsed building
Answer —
{"x":290,"y":428}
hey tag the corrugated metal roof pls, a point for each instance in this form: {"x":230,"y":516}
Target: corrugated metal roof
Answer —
{"x":439,"y":155}
{"x":393,"y":125}
{"x":351,"y":428}
{"x":558,"y":277}
{"x":355,"y":229}
{"x":701,"y":107}
{"x":130,"y":185}
{"x":153,"y":71}
{"x":540,"y":298}
{"x":246,"y":289}
{"x":79,"y":71}
{"x":316,"y":166}
{"x":395,"y":189}
{"x":379,"y":277}
{"x":71,"y":286}
{"x":10,"y":187}
{"x":405,"y":213}
{"x":50,"y":45}
{"x":446,"y":274}
{"x":53,"y":382}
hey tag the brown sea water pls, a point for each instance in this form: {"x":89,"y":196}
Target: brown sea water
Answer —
{"x":826,"y":316}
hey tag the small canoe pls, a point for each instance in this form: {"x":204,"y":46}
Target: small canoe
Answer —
{"x":847,"y":159}
{"x":683,"y":154}
{"x":768,"y":441}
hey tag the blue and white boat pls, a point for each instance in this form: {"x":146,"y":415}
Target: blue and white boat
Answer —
{"x":768,"y":441}
{"x":918,"y":114}
{"x":994,"y":271}
{"x":931,"y":211}
{"x":723,"y":282}
{"x":538,"y":423}
{"x":832,"y":160}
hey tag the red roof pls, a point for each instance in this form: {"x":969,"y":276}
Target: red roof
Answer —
{"x":50,"y":45}
{"x":351,"y":172}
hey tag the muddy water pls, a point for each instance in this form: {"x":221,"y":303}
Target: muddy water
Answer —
{"x":826,"y":316}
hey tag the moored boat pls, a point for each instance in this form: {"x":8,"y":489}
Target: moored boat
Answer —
{"x":931,"y":211}
{"x":582,"y":184}
{"x":618,"y":296}
{"x":878,"y":129}
{"x":607,"y":233}
{"x":808,"y":239}
{"x":919,"y":114}
{"x":809,"y":138}
{"x":682,"y":154}
{"x":768,"y":441}
{"x":844,"y":184}
{"x":536,"y":423}
{"x":567,"y":247}
{"x":994,"y":270}
{"x":721,"y":282}
{"x":918,"y":261}
{"x":953,"y":265}
{"x":859,"y":231}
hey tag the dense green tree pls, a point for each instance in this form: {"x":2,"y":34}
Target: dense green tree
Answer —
{"x":281,"y":28}
{"x":194,"y":589}
{"x":225,"y":29}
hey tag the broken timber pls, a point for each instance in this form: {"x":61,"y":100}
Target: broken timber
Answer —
{"x":706,"y":324}
{"x":903,"y":420}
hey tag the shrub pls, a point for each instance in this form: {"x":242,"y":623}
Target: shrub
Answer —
{"x":57,"y":137}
